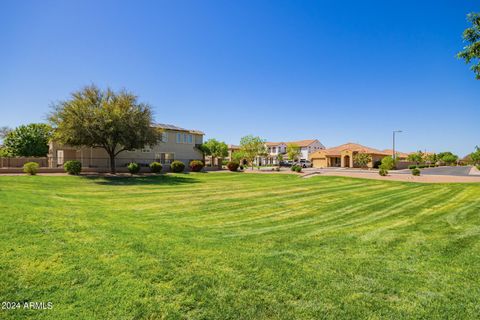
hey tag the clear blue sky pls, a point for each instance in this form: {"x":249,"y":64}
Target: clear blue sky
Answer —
{"x":337,"y":71}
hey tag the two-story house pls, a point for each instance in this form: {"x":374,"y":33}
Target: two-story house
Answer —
{"x":274,"y":149}
{"x":175,"y":144}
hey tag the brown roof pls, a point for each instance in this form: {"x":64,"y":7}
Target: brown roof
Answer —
{"x":273,"y":144}
{"x":399,"y":153}
{"x":175,"y":128}
{"x":336,"y":151}
{"x":232,"y":146}
{"x":302,"y":143}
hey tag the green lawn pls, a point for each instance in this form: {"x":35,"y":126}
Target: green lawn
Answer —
{"x":239,"y":246}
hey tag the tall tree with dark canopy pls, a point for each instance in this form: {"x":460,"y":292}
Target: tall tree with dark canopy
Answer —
{"x":27,"y":140}
{"x":113,"y":121}
{"x":471,"y":52}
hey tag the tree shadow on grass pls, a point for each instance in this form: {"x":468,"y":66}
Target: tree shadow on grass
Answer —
{"x":142,"y":180}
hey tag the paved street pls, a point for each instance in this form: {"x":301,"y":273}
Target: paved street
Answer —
{"x":461,"y":171}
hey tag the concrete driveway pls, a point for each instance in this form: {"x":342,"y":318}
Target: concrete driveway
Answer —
{"x":460,"y":171}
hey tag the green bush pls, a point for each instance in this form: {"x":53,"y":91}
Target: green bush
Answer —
{"x":298,"y":169}
{"x":413,"y":166}
{"x":422,"y":166}
{"x":177,"y":166}
{"x":72,"y":167}
{"x":133,"y":168}
{"x":196,"y":165}
{"x":233,"y":165}
{"x":31,"y":168}
{"x":383,"y":172}
{"x":155,"y":167}
{"x":478,"y":166}
{"x":294,"y":167}
{"x":388,"y":163}
{"x":416,"y":172}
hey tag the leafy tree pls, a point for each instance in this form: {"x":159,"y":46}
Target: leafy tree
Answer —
{"x":361,"y":159}
{"x":293,"y":151}
{"x":447,"y":157}
{"x":238,"y":156}
{"x":475,"y":156}
{"x":3,"y":152}
{"x":28,"y":140}
{"x":279,"y":159}
{"x":252,"y":147}
{"x":387,"y":163}
{"x":215,"y":149}
{"x":416,"y":157}
{"x":113,"y":121}
{"x":471,"y":52}
{"x":430,"y":158}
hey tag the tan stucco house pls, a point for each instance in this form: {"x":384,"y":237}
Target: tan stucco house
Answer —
{"x":176,"y":144}
{"x":402,"y":156}
{"x":343,"y":155}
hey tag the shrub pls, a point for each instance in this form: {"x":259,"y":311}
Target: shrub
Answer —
{"x":31,"y":168}
{"x":233,"y":165}
{"x":294,"y":167}
{"x":156,"y":167}
{"x":133,"y":168}
{"x":478,"y":166}
{"x":73,"y":167}
{"x":388,"y":163}
{"x":298,"y":169}
{"x":177,"y":166}
{"x":412,"y":167}
{"x":422,"y":166}
{"x":383,"y":172}
{"x":416,"y":172}
{"x":196,"y":165}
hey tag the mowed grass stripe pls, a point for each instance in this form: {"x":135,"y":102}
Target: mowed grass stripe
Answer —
{"x":238,"y":246}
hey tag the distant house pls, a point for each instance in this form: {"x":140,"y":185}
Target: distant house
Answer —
{"x":274,"y":149}
{"x":343,"y":155}
{"x":175,"y":144}
{"x":402,"y":156}
{"x":232,"y":148}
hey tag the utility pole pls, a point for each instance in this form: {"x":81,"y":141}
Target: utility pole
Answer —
{"x":394,"y":156}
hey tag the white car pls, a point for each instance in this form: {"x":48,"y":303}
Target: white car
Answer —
{"x":304,"y":163}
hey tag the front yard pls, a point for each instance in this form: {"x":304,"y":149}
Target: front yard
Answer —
{"x":239,"y":246}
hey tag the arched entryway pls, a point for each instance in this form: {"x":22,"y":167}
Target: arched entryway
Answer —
{"x":346,"y":161}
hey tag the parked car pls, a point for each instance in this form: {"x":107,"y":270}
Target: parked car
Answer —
{"x":286,"y":163}
{"x":304,"y":163}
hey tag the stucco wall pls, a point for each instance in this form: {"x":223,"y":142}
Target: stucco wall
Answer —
{"x":163,"y":151}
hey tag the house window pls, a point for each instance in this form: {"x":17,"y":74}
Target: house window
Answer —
{"x":60,"y":157}
{"x":179,"y":138}
{"x":165,"y":157}
{"x":164,"y":137}
{"x":146,"y":149}
{"x":190,"y":139}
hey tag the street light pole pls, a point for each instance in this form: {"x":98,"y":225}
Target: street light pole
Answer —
{"x":394,"y":156}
